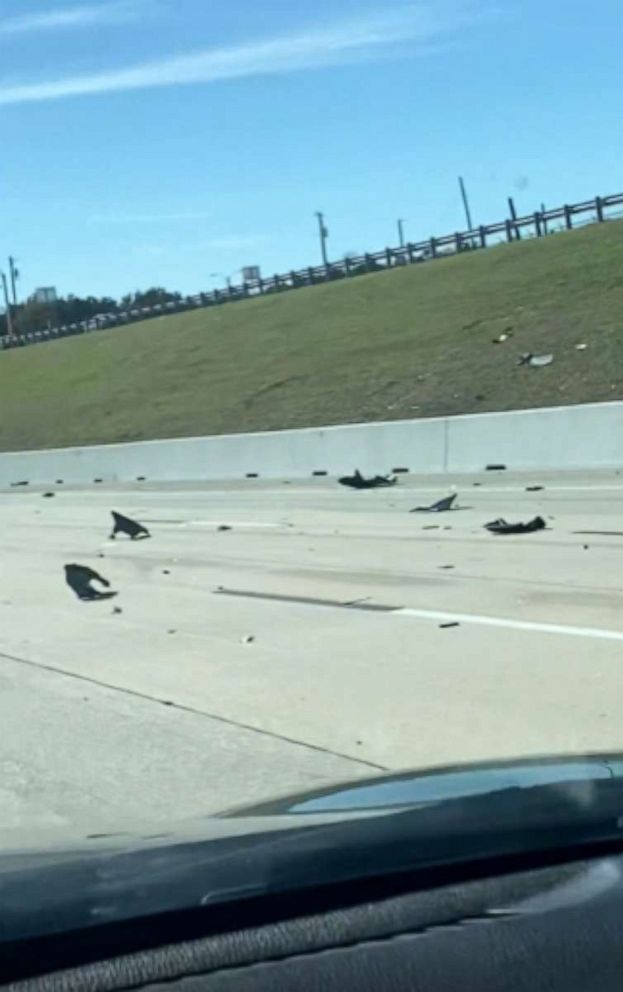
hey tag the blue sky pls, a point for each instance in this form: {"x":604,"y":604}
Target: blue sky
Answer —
{"x":159,"y":141}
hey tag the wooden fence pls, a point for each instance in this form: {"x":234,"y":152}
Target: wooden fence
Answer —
{"x":538,"y":224}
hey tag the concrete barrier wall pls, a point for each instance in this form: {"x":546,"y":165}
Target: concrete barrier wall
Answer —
{"x":588,"y":436}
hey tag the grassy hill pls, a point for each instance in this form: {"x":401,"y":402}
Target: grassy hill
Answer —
{"x":414,"y":342}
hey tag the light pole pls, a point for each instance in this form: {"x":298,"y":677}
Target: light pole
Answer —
{"x":14,"y":277}
{"x":468,"y":216}
{"x":324,"y":234}
{"x":401,"y":233}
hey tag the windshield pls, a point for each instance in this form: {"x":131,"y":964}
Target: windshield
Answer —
{"x":310,"y":400}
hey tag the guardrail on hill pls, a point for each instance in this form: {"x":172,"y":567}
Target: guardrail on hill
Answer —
{"x":537,"y":224}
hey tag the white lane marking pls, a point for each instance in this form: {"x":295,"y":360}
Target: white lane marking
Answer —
{"x":543,"y":628}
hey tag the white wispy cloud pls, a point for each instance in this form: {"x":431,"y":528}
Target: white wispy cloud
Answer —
{"x":82,"y":16}
{"x":425,"y":22}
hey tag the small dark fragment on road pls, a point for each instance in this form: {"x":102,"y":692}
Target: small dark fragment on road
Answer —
{"x":431,"y":527}
{"x":224,"y":527}
{"x":496,"y":468}
{"x":125,"y":525}
{"x":48,"y":495}
{"x":117,"y":610}
{"x":446,"y":568}
{"x":80,"y":577}
{"x":441,"y":506}
{"x":534,"y":489}
{"x":501,"y":526}
{"x":447,"y":626}
{"x":165,"y":571}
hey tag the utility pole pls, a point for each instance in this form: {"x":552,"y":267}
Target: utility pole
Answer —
{"x":324,"y":234}
{"x":14,"y":277}
{"x":511,"y":207}
{"x":9,"y":321}
{"x":468,"y":216}
{"x":401,"y":233}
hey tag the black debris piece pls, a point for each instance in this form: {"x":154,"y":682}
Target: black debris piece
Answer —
{"x":249,"y":639}
{"x":496,"y":468}
{"x":446,"y":626}
{"x":140,"y":478}
{"x":534,"y":489}
{"x":15,"y":484}
{"x":446,"y":568}
{"x":223,"y":527}
{"x":49,"y":495}
{"x":501,"y":526}
{"x":171,"y":632}
{"x":59,"y":482}
{"x":585,"y":547}
{"x":117,"y":609}
{"x":476,"y":483}
{"x":441,"y":506}
{"x":431,"y":527}
{"x":124,"y":525}
{"x":80,"y":577}
{"x":165,"y":571}
{"x":357,"y":481}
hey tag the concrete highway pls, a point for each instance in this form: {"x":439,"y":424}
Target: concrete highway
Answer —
{"x":304,"y":645}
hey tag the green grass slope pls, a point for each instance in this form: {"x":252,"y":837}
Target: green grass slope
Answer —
{"x":414,"y":342}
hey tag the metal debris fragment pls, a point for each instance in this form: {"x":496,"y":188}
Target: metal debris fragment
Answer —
{"x":441,"y":506}
{"x":80,"y":577}
{"x":357,"y":481}
{"x":501,"y":526}
{"x":125,"y":525}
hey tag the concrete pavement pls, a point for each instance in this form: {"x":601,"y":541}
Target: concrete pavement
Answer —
{"x":165,"y":711}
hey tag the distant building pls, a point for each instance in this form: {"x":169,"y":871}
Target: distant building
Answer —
{"x":45,"y":294}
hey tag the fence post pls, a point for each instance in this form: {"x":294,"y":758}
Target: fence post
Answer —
{"x":411,"y":253}
{"x":538,"y":227}
{"x":389,"y":257}
{"x":347,"y":265}
{"x":482,"y":230}
{"x":260,"y":285}
{"x":433,"y":248}
{"x":310,"y":274}
{"x":599,"y":207}
{"x":568,"y":221}
{"x":369,"y":263}
{"x":458,"y":242}
{"x":509,"y":230}
{"x":293,"y":281}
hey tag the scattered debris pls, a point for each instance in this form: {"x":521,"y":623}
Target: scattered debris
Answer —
{"x":476,"y":483}
{"x":431,"y":527}
{"x":534,"y":489}
{"x":501,"y":338}
{"x":535,"y":361}
{"x":79,"y":578}
{"x":165,"y":571}
{"x":496,"y":468}
{"x":59,"y":482}
{"x":249,"y":639}
{"x":357,"y":481}
{"x":580,"y":347}
{"x":48,"y":495}
{"x":14,"y":484}
{"x":585,"y":547}
{"x":502,"y":527}
{"x":440,"y":507}
{"x":117,"y":609}
{"x":171,"y":632}
{"x":446,"y":626}
{"x":446,"y":568}
{"x":124,"y":525}
{"x":224,"y":527}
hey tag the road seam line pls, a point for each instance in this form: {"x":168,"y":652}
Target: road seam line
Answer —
{"x":190,"y":709}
